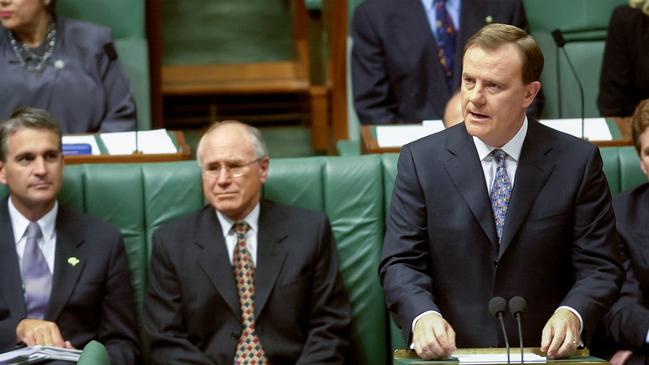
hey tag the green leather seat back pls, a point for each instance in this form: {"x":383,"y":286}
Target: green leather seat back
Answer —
{"x":127,"y":19}
{"x":630,"y":173}
{"x":584,"y":24}
{"x":114,"y":194}
{"x":611,"y":160}
{"x":94,"y":353}
{"x":349,"y":191}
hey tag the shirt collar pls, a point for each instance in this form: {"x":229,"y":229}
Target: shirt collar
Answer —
{"x":19,"y":223}
{"x":252,"y":219}
{"x":512,"y":148}
{"x":429,"y":3}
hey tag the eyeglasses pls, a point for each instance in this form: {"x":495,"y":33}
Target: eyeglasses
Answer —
{"x":232,"y":168}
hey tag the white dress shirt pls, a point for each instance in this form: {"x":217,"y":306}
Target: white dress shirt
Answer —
{"x":251,"y":237}
{"x":47,"y":242}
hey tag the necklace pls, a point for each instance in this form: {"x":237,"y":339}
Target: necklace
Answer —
{"x":31,"y":59}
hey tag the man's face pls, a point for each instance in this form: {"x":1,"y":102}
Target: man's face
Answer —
{"x":232,"y":177}
{"x":644,"y":152}
{"x":18,"y":14}
{"x":33,"y":171}
{"x":494,"y":98}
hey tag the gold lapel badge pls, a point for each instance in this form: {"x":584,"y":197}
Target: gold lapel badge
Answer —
{"x":73,"y":261}
{"x":488,"y":19}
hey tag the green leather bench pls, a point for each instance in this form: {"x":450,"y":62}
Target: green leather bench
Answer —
{"x":353,"y":191}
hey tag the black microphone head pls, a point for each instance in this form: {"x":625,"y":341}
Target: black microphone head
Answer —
{"x":517,"y":305}
{"x":497,"y":306}
{"x":557,"y":35}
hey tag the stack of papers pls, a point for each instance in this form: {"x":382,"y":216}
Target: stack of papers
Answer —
{"x":36,"y":354}
{"x":398,"y":135}
{"x":124,"y":143}
{"x":595,"y":129}
{"x":499,"y":358}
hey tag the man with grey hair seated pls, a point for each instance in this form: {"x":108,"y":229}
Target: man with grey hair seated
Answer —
{"x":244,"y":280}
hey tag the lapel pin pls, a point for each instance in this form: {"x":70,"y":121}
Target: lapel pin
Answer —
{"x":73,"y":261}
{"x":59,"y":64}
{"x":488,"y":19}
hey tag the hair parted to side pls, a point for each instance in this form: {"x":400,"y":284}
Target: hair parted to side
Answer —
{"x":494,"y":35}
{"x":640,"y":122}
{"x":26,"y":118}
{"x":258,"y":144}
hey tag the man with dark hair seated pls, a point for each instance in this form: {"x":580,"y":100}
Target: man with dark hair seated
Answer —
{"x":65,"y":276}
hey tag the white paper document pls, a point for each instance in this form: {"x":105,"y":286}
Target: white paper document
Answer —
{"x":123,"y":143}
{"x":398,"y":135}
{"x":499,"y":358}
{"x":35,"y":354}
{"x":596,"y":129}
{"x":86,"y":138}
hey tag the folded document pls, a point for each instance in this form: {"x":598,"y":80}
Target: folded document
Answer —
{"x":36,"y":354}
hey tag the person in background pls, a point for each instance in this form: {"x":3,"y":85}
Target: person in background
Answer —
{"x":407,"y":54}
{"x":68,"y":67}
{"x":65,"y":275}
{"x":499,"y":205}
{"x":627,"y":323}
{"x":625,"y":69}
{"x":244,"y":280}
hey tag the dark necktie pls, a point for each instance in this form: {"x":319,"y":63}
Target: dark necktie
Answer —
{"x":445,"y":35}
{"x":37,"y":279}
{"x":501,"y":192}
{"x":249,"y":350}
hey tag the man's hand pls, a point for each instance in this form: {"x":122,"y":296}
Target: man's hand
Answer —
{"x":621,"y":357}
{"x":560,"y":336}
{"x":37,"y":332}
{"x":433,"y":338}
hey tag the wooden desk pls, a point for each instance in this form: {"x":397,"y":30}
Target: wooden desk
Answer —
{"x":184,"y":153}
{"x":409,"y":357}
{"x":620,"y":129}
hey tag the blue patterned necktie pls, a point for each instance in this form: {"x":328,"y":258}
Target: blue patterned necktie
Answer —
{"x":249,"y":350}
{"x":445,"y":35}
{"x":37,"y":279}
{"x":501,"y":192}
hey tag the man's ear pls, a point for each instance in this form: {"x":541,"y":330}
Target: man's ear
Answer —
{"x":3,"y":177}
{"x":644,"y":169}
{"x":531,"y":90}
{"x":264,"y":165}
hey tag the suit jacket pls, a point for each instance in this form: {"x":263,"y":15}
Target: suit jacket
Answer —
{"x":441,"y":249}
{"x":91,"y":300}
{"x":625,"y":71}
{"x":627,"y":322}
{"x":396,"y":73}
{"x":91,"y":93}
{"x":192,"y":313}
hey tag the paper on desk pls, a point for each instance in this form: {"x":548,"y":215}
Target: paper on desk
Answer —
{"x":499,"y":358}
{"x":34,"y":354}
{"x":398,"y":135}
{"x":86,"y":138}
{"x":123,"y":143}
{"x":596,"y":128}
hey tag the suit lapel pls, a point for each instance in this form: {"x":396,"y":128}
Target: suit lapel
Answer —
{"x":414,"y":36}
{"x":69,"y":250}
{"x":271,"y":253}
{"x":534,"y":168}
{"x":11,"y":282}
{"x":465,"y":169}
{"x":214,"y":260}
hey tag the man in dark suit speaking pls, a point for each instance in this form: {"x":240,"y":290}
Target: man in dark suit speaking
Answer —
{"x":64,"y":276}
{"x":499,"y":205}
{"x":244,"y":280}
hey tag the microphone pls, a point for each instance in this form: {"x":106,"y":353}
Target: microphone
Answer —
{"x":497,"y":308}
{"x":517,"y":306}
{"x":560,"y":41}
